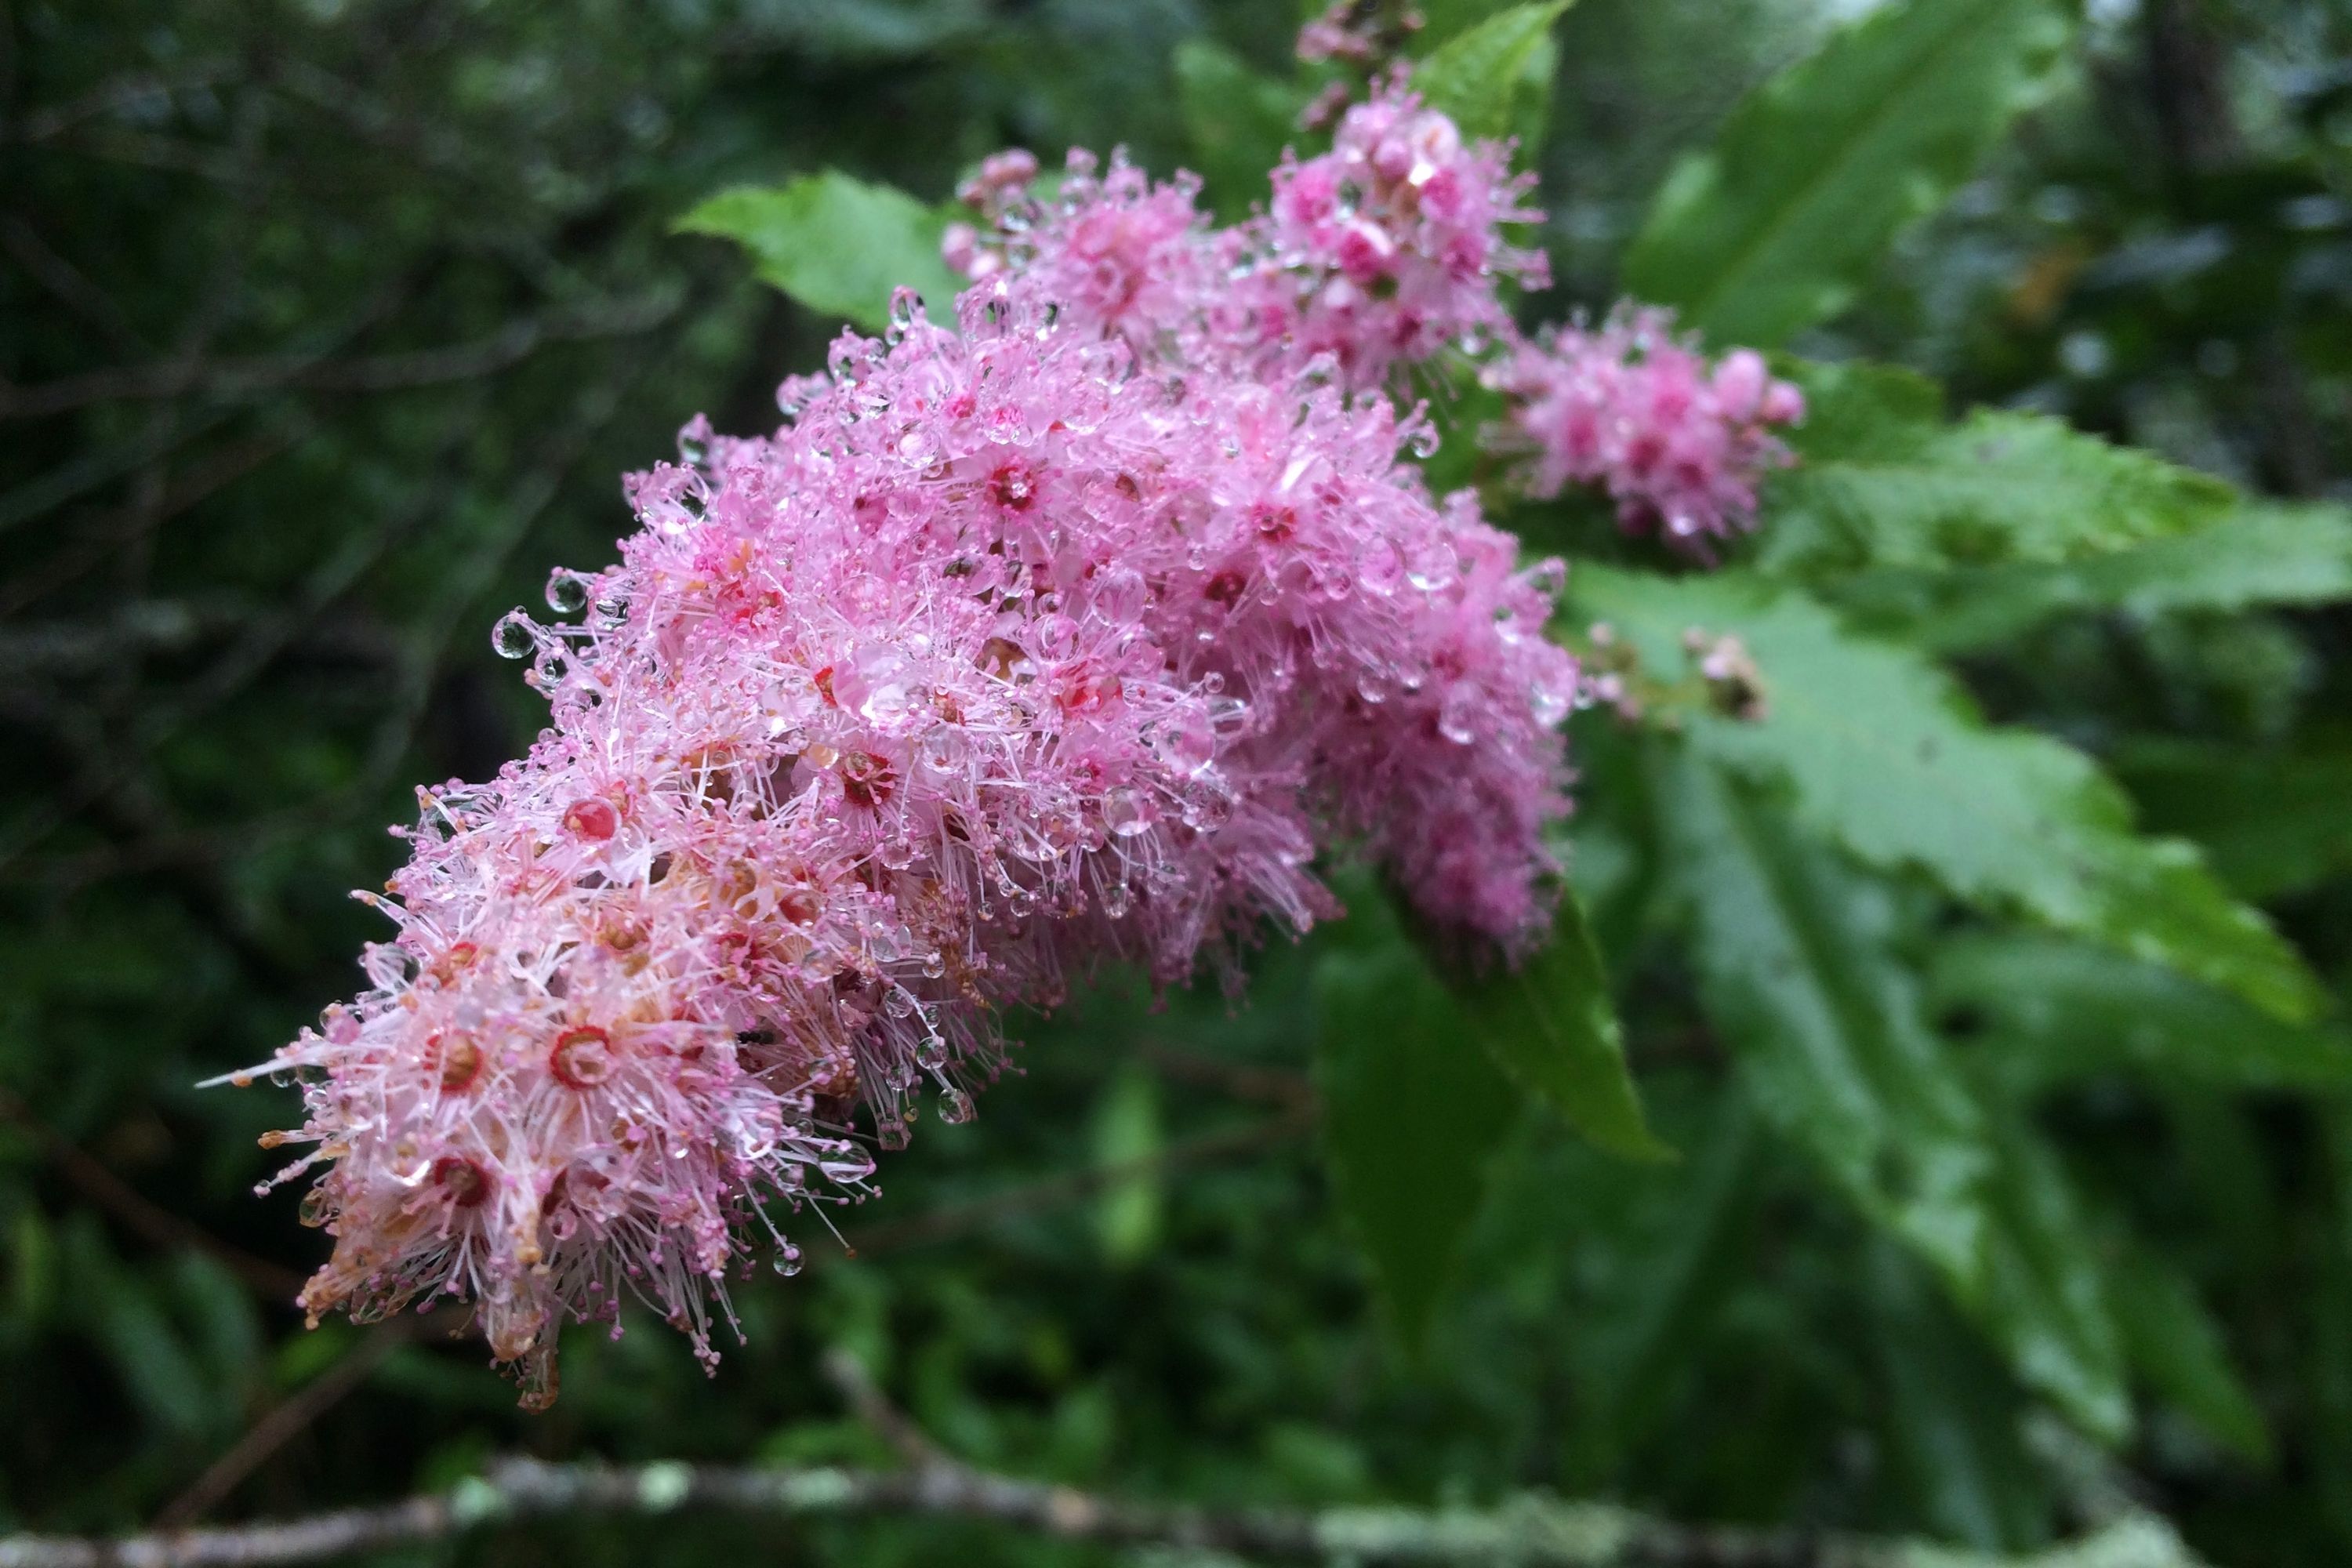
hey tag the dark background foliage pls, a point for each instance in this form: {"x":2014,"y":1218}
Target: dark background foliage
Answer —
{"x":327,"y":327}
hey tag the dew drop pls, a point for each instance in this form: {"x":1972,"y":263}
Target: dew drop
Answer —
{"x":516,"y":635}
{"x":567,"y":591}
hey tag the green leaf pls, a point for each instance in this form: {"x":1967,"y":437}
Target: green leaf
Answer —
{"x":1411,"y":1116}
{"x":2176,"y":1346}
{"x":1886,"y":754}
{"x":1126,"y":1137}
{"x":1239,"y":123}
{"x":1797,"y":969}
{"x":2264,"y":554}
{"x":1793,"y":970}
{"x":1817,"y":171}
{"x":1443,"y":20}
{"x":835,"y":244}
{"x":1550,"y":1025}
{"x":1477,"y":75}
{"x":2045,"y":1298}
{"x":1883,"y":480}
{"x":2273,"y":822}
{"x":1952,"y":1422}
{"x":2048,"y":1011}
{"x":1679,"y":1256}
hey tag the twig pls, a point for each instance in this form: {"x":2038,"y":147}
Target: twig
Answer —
{"x":62,"y":278}
{"x":1068,"y":1186}
{"x":288,"y":1419}
{"x":158,"y":1226}
{"x":238,"y":379}
{"x":1529,"y":1531}
{"x":870,"y":1405}
{"x":1282,"y":1087}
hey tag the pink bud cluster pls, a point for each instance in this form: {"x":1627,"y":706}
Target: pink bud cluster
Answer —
{"x":1680,"y":445}
{"x":1379,"y":253}
{"x":1016,"y":650}
{"x":1393,"y":238}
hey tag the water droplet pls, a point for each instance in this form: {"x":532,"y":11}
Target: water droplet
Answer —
{"x":516,"y":635}
{"x":1121,"y":594}
{"x":1458,"y":716}
{"x":1432,"y":566}
{"x":787,"y":1260}
{"x":1128,"y":813}
{"x":567,"y":591}
{"x":906,"y":312}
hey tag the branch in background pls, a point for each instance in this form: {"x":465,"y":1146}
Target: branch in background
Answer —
{"x":156,"y":1226}
{"x":230,"y":380}
{"x":954,"y":1219}
{"x":1529,"y":1531}
{"x":870,"y":1405}
{"x":298,"y":1412}
{"x":1285,"y":1088}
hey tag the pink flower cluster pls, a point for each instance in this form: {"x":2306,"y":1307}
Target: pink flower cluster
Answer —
{"x":1392,"y":240}
{"x":1380,"y":252}
{"x":1077,"y":633}
{"x":1012,"y":653}
{"x":1679,"y":444}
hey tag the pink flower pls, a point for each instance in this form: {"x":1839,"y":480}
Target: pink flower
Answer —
{"x":1381,"y":253}
{"x":1015,"y":652}
{"x":1391,"y":245}
{"x":1679,"y":445}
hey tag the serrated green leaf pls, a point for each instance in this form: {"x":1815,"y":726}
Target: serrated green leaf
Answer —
{"x":1797,"y":970}
{"x":1443,"y":19}
{"x":1817,"y":171}
{"x":1411,"y":1115}
{"x":1678,"y":1258}
{"x":835,"y":244}
{"x":2272,"y":821}
{"x":2048,"y":1011}
{"x":1793,"y":969}
{"x":1477,"y":76}
{"x":2265,"y":553}
{"x":1239,"y":123}
{"x":1549,"y":1024}
{"x":2175,"y":1345}
{"x":1952,"y":1423}
{"x":1886,"y":754}
{"x":2045,"y":1297}
{"x":1883,"y":480}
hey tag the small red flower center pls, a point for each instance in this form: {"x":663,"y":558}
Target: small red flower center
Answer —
{"x":459,"y":1056}
{"x":867,"y":779}
{"x":582,"y":1057}
{"x":465,"y":1183}
{"x":801,"y":905}
{"x":591,"y":818}
{"x":1087,"y":688}
{"x":1224,"y":588}
{"x":1000,"y":657}
{"x":1014,"y":486}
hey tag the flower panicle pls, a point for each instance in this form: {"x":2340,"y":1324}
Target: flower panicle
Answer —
{"x":1077,"y":628}
{"x":1012,"y":653}
{"x":1680,"y":444}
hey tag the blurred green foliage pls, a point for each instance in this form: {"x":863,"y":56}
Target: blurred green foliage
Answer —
{"x":2011,"y":1164}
